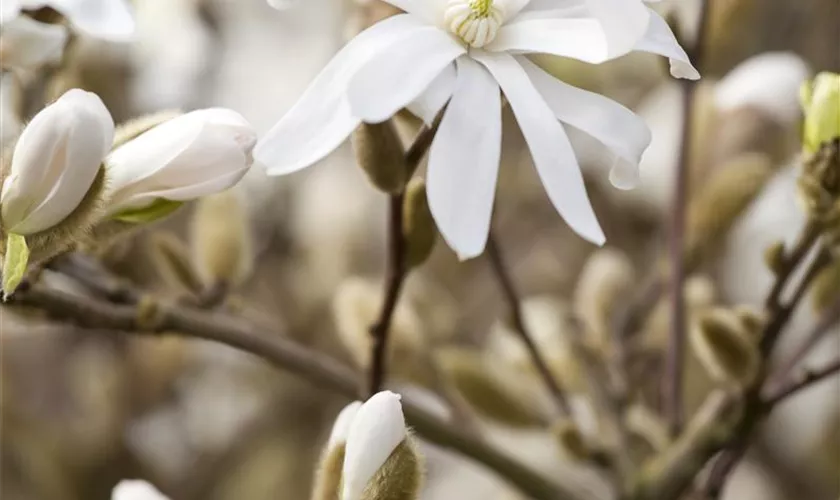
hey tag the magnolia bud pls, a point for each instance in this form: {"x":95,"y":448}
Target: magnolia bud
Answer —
{"x":172,"y":261}
{"x":136,"y":490}
{"x":570,"y":439}
{"x":28,"y":44}
{"x":221,"y":239}
{"x":821,"y":102}
{"x":400,"y":477}
{"x":194,"y":155}
{"x":380,"y":153}
{"x":775,"y":257}
{"x":419,"y":228}
{"x":725,"y":348}
{"x":376,"y":432}
{"x":826,"y":288}
{"x":607,"y":277}
{"x":55,"y":163}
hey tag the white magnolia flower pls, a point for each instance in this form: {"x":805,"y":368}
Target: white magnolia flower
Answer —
{"x":377,"y":429}
{"x":341,"y":427}
{"x":464,"y":52}
{"x":28,"y":44}
{"x":106,"y":19}
{"x":55,"y":162}
{"x":197,"y":154}
{"x":136,"y":490}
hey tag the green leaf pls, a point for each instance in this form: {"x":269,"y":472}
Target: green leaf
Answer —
{"x":14,"y":264}
{"x":158,"y":209}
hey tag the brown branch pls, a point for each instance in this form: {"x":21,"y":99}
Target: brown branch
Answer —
{"x":283,"y":353}
{"x":394,"y":279}
{"x":511,"y":296}
{"x":675,"y":357}
{"x":397,"y":269}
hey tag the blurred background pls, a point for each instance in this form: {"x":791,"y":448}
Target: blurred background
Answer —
{"x":82,"y":409}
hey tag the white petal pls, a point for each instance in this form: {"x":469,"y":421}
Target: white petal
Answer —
{"x":464,"y":161}
{"x":659,"y":39}
{"x":136,"y":490}
{"x":376,"y":431}
{"x":437,"y":94}
{"x":396,"y":76}
{"x":55,"y":162}
{"x":615,"y":126}
{"x":321,"y":120}
{"x":9,"y":10}
{"x":343,"y":422}
{"x":107,"y":19}
{"x":27,"y":43}
{"x":612,"y":29}
{"x":553,"y":154}
{"x":194,"y":155}
{"x":423,"y":9}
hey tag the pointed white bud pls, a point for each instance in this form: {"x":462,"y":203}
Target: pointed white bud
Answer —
{"x":136,"y":490}
{"x":341,"y":427}
{"x":28,"y":44}
{"x":55,"y":162}
{"x":377,"y":430}
{"x":194,"y":155}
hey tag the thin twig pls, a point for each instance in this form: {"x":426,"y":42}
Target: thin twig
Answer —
{"x":805,"y":380}
{"x":675,"y":360}
{"x":511,"y":296}
{"x":283,"y":353}
{"x":829,"y":317}
{"x":397,"y":269}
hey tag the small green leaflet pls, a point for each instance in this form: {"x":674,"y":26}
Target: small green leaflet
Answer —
{"x":158,"y":209}
{"x":14,"y":263}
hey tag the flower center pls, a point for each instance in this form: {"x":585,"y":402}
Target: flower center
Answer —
{"x":476,"y":21}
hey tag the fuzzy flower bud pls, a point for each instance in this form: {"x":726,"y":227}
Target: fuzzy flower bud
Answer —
{"x":55,"y":162}
{"x":379,"y":152}
{"x":136,"y":490}
{"x":194,"y":155}
{"x":328,"y":477}
{"x":379,"y":460}
{"x":728,"y":352}
{"x":419,"y":228}
{"x":821,"y":103}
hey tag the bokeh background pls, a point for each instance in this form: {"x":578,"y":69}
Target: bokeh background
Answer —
{"x":82,"y":409}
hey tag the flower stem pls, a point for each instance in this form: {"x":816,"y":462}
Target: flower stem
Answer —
{"x":511,"y":296}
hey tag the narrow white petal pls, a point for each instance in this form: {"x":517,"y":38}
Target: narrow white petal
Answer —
{"x":596,"y":31}
{"x":321,"y":120}
{"x":420,"y":8}
{"x":550,"y":148}
{"x":514,"y":7}
{"x":660,"y":40}
{"x":464,"y":161}
{"x":615,"y":126}
{"x":398,"y":75}
{"x":343,"y":422}
{"x":376,"y":431}
{"x":436,"y":95}
{"x":27,"y":43}
{"x":136,"y":490}
{"x":107,"y":19}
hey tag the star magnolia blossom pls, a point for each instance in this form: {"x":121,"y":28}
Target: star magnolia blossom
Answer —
{"x":107,"y":19}
{"x":465,"y":52}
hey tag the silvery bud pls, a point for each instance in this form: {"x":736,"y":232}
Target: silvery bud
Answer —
{"x":188,"y":157}
{"x":55,"y":163}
